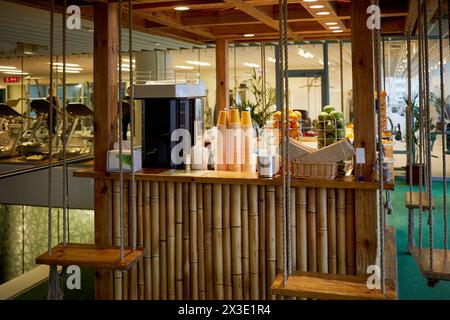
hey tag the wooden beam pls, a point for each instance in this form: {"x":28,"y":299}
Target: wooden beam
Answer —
{"x":105,"y":127}
{"x":222,"y":75}
{"x":365,"y":135}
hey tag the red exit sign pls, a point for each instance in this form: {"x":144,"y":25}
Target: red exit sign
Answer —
{"x":11,"y":79}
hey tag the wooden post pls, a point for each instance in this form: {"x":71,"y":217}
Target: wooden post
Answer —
{"x":222,"y":75}
{"x":105,"y":116}
{"x":365,"y":135}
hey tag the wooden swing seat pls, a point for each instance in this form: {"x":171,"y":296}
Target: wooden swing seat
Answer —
{"x":341,"y":287}
{"x":91,"y":256}
{"x":441,"y":263}
{"x":415,"y":204}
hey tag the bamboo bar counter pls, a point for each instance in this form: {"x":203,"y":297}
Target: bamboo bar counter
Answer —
{"x":217,"y":235}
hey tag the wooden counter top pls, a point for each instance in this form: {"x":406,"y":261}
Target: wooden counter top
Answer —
{"x":226,"y":177}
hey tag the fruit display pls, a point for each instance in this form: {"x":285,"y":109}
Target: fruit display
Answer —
{"x":294,"y":127}
{"x":330,"y":127}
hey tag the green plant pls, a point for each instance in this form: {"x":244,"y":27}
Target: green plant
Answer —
{"x":260,"y":111}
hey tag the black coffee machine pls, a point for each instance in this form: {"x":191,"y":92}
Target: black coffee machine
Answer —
{"x":165,"y":108}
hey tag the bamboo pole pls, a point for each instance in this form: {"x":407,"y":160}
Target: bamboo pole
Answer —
{"x":271,"y":239}
{"x":208,"y":241}
{"x":340,"y":226}
{"x":193,"y":239}
{"x":147,"y":242}
{"x":302,"y":231}
{"x":186,"y":245}
{"x":262,"y":241}
{"x":350,"y":232}
{"x":171,"y":239}
{"x":163,"y":240}
{"x":126,"y":236}
{"x":254,"y":242}
{"x":140,"y":237}
{"x":117,"y":274}
{"x":179,"y":240}
{"x":154,"y":189}
{"x":322,"y":231}
{"x":293,"y":252}
{"x":332,"y":251}
{"x":218,"y":242}
{"x":133,"y":274}
{"x":125,"y":285}
{"x":134,"y":294}
{"x":236,"y":241}
{"x":245,"y":243}
{"x":312,"y":243}
{"x":228,"y":277}
{"x":201,"y":243}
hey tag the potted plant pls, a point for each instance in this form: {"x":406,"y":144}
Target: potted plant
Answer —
{"x":260,"y":111}
{"x":416,"y":166}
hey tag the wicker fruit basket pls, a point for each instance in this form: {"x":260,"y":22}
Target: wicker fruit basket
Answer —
{"x":325,"y":171}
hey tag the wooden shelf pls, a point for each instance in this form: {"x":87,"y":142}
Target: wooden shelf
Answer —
{"x":341,"y":287}
{"x":441,"y":263}
{"x":227,"y":177}
{"x":91,"y":256}
{"x":416,"y":201}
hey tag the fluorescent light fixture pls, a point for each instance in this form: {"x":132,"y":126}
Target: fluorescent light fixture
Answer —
{"x":331,"y":23}
{"x":185,"y":67}
{"x":323,"y":13}
{"x":8,"y":68}
{"x":305,"y":54}
{"x":338,"y":31}
{"x":309,"y":0}
{"x":199,"y":63}
{"x":67,"y":64}
{"x":251,"y":65}
{"x":181,"y":8}
{"x":60,"y":68}
{"x":317,"y":6}
{"x":28,"y":53}
{"x":15,"y":72}
{"x":249,"y":35}
{"x":334,"y":28}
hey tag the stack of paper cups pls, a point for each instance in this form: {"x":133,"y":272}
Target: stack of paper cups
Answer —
{"x":247,"y":142}
{"x":233,"y":141}
{"x":221,"y":160}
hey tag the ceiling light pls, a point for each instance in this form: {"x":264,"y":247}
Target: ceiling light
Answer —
{"x":305,"y":54}
{"x":323,"y":13}
{"x":67,"y":64}
{"x":251,"y":65}
{"x":181,"y":8}
{"x":338,"y":31}
{"x":15,"y":72}
{"x":331,"y":23}
{"x":68,"y":69}
{"x":317,"y":6}
{"x":199,"y":63}
{"x":249,"y":35}
{"x":309,"y":0}
{"x":185,"y":67}
{"x":334,"y":28}
{"x":7,"y":68}
{"x":28,"y":53}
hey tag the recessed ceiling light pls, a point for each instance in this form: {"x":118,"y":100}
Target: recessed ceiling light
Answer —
{"x":331,"y":23}
{"x":249,"y":35}
{"x":199,"y":63}
{"x":184,"y":67}
{"x":8,"y":67}
{"x":28,"y":53}
{"x":181,"y":8}
{"x":17,"y":72}
{"x":323,"y":13}
{"x":251,"y":65}
{"x":317,"y":6}
{"x":67,"y":64}
{"x":309,"y":0}
{"x":338,"y":31}
{"x":334,"y":28}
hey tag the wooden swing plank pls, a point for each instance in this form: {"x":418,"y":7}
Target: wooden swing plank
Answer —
{"x":415,"y":204}
{"x":341,"y":287}
{"x":441,"y":263}
{"x":91,"y":256}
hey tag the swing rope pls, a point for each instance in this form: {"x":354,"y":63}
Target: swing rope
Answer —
{"x":64,"y":131}
{"x":428,"y":133}
{"x":420,"y":58}
{"x":382,"y":221}
{"x":54,"y":289}
{"x":444,"y":135}
{"x":121,"y":231}
{"x":410,"y":125}
{"x":132,"y":128}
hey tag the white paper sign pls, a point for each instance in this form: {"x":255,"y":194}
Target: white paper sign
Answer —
{"x":360,"y":155}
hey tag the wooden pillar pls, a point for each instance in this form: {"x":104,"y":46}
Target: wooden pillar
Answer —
{"x":222,"y":75}
{"x":105,"y":116}
{"x":365,"y":134}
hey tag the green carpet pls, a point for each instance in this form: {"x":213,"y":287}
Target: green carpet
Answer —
{"x":412,"y":285}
